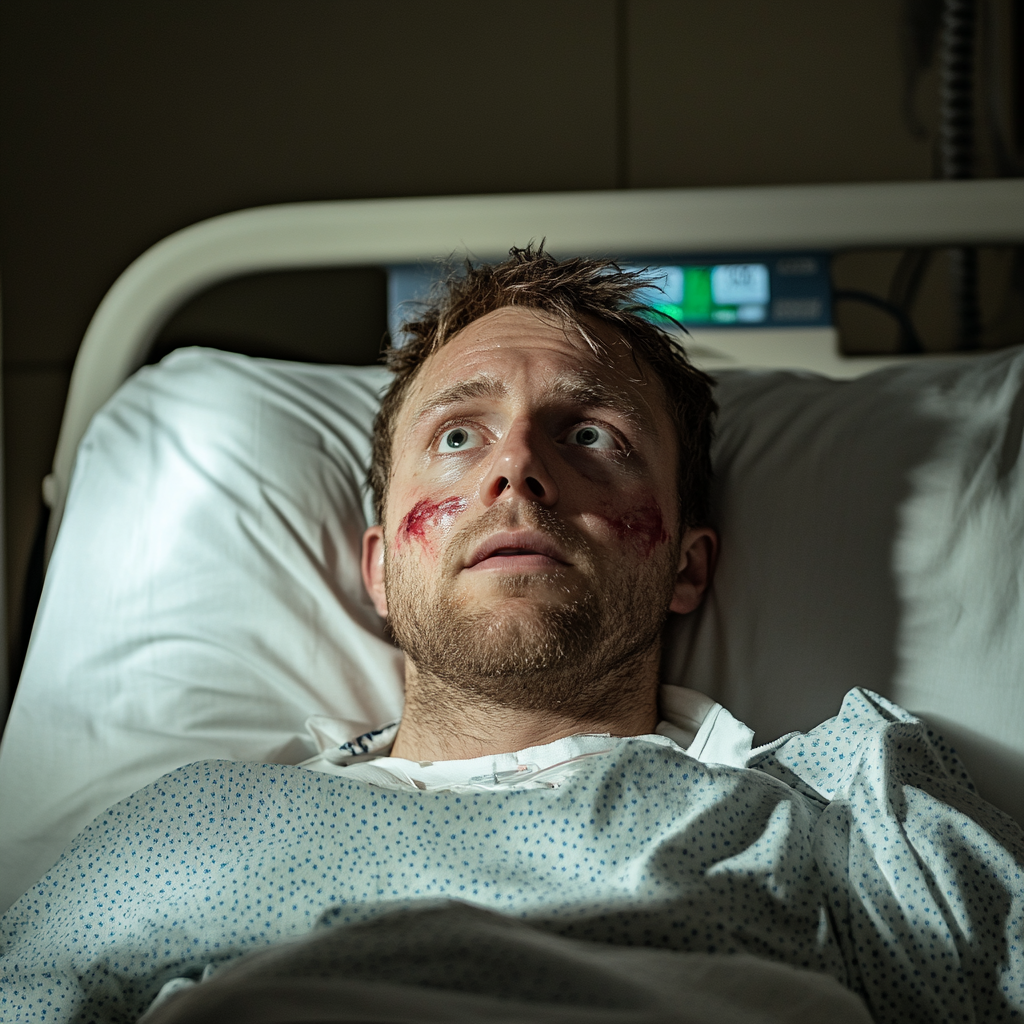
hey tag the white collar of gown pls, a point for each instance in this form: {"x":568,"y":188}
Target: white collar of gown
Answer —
{"x":690,"y":721}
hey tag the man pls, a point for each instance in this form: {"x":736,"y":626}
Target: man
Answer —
{"x":543,"y":505}
{"x":541,"y":474}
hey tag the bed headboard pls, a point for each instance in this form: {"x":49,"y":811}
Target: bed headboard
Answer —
{"x":389,"y":231}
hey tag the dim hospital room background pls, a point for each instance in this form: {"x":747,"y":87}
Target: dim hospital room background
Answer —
{"x":121,"y":125}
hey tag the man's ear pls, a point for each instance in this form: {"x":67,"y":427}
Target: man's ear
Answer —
{"x":697,"y":557}
{"x":372,"y":565}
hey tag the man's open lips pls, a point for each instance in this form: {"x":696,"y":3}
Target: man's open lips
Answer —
{"x":524,"y":551}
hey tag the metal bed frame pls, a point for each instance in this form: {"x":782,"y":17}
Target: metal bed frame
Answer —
{"x":392,"y":231}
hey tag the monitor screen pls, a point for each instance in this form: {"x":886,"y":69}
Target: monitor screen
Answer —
{"x":739,"y":291}
{"x":725,"y":293}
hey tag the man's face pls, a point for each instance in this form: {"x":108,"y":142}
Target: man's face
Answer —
{"x":531,"y":522}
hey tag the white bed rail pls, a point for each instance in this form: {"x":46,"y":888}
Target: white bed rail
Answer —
{"x":647,"y":222}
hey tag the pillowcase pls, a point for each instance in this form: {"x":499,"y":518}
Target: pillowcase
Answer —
{"x":204,"y":596}
{"x":872,"y":535}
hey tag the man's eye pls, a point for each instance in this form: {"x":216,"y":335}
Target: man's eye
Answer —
{"x":589,"y":436}
{"x":455,"y":439}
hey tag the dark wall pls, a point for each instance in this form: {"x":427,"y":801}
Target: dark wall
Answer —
{"x":123,"y":121}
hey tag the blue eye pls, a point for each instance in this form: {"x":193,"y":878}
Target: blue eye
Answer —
{"x":589,"y":436}
{"x":455,"y":439}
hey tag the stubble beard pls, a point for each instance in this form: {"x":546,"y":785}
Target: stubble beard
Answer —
{"x":579,"y":653}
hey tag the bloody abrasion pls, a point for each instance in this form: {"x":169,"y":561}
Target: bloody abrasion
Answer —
{"x":427,"y":515}
{"x":642,"y":526}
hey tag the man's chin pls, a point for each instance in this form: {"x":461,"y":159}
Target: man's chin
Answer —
{"x":524,"y":637}
{"x":524,"y":620}
{"x":518,"y":623}
{"x":546,"y":589}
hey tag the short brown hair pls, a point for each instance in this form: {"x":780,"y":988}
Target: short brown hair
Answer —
{"x":570,"y":290}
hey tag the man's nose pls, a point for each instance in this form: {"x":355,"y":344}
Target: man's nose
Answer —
{"x":519,"y":467}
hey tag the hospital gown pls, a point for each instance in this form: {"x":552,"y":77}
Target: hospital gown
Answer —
{"x":859,"y":850}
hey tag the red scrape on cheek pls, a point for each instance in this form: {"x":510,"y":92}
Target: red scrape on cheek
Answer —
{"x":642,"y":526}
{"x":428,"y":515}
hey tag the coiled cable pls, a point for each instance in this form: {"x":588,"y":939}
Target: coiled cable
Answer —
{"x":956,"y":148}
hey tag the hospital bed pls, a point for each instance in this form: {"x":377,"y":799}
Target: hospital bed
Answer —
{"x":203,"y":599}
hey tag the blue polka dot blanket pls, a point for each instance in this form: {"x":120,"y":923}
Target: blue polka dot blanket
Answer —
{"x":851,"y":873}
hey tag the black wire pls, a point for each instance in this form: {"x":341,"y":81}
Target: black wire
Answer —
{"x":910,"y":340}
{"x":908,"y":277}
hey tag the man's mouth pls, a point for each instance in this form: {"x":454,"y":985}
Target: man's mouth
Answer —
{"x":521,"y":551}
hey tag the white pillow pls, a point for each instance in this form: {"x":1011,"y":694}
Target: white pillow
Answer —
{"x":204,"y":595}
{"x":872,"y":535}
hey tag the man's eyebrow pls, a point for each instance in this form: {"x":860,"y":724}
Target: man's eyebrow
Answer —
{"x":589,"y":390}
{"x":578,"y":388}
{"x":484,"y":386}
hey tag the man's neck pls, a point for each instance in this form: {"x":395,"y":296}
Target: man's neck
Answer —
{"x":445,"y":723}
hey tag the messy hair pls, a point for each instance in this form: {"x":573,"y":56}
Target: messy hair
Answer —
{"x":570,"y":291}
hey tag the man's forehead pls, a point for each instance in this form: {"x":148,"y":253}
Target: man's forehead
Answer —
{"x":511,"y":346}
